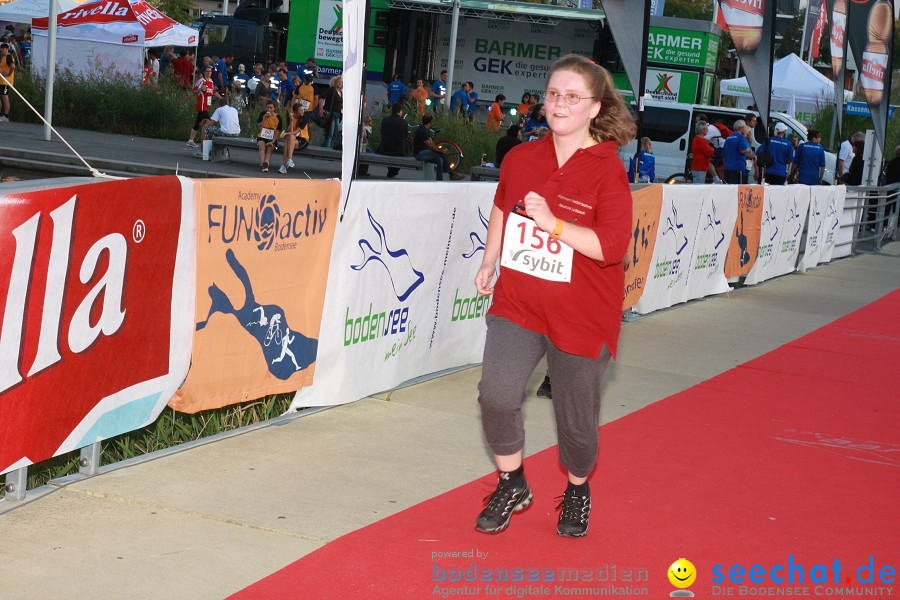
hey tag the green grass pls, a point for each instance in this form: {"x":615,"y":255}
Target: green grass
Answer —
{"x":170,"y":429}
{"x":851,"y":124}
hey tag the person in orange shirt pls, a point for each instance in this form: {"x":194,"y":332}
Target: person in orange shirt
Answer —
{"x":524,"y":108}
{"x":495,"y":115}
{"x":420,"y":94}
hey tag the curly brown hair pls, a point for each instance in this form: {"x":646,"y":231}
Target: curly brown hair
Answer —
{"x":615,"y":121}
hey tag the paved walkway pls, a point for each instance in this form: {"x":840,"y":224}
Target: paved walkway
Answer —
{"x":208,"y":520}
{"x":23,"y":147}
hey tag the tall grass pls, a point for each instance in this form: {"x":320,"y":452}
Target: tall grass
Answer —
{"x":850,"y":124}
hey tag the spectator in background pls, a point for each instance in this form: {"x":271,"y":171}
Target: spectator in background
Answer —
{"x":507,"y":143}
{"x":396,"y":90}
{"x":892,"y":170}
{"x":809,"y":160}
{"x":524,"y":108}
{"x":439,"y":89}
{"x":472,"y":99}
{"x":8,"y":70}
{"x":242,"y":77}
{"x":782,"y":154}
{"x":459,"y":101}
{"x":285,"y":87}
{"x":224,"y":121}
{"x":25,"y":47}
{"x":647,"y":168}
{"x":537,"y":120}
{"x":222,"y":80}
{"x":154,"y":66}
{"x":165,"y":61}
{"x":845,"y":153}
{"x":205,"y":90}
{"x":736,"y":151}
{"x":270,"y":126}
{"x":295,"y":138}
{"x":701,"y":155}
{"x":394,"y":130}
{"x":854,"y":174}
{"x":426,"y":150}
{"x":495,"y":115}
{"x":333,"y":102}
{"x":420,"y":94}
{"x":183,"y":68}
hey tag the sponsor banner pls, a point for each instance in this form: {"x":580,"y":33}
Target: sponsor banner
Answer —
{"x":262,"y":260}
{"x":814,"y":18}
{"x":870,"y":32}
{"x":784,"y":214}
{"x":752,"y":27}
{"x":629,"y":24}
{"x":837,"y":36}
{"x":645,"y":224}
{"x":689,"y":253}
{"x":508,"y":57}
{"x":823,"y":228}
{"x":861,"y":109}
{"x":672,"y":85}
{"x":682,"y":47}
{"x":96,"y":312}
{"x":747,"y":230}
{"x":329,"y":32}
{"x":401,"y":300}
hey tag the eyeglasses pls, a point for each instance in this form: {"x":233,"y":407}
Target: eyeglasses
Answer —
{"x":571,"y":98}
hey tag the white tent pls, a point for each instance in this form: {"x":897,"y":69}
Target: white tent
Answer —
{"x":793,"y":81}
{"x":23,"y":11}
{"x":108,"y":36}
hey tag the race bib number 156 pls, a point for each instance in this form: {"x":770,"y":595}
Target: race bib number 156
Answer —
{"x":529,"y":249}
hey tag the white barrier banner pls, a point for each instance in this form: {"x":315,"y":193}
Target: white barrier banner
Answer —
{"x":826,"y":205}
{"x":401,"y":301}
{"x":784,"y":214}
{"x":694,"y":232}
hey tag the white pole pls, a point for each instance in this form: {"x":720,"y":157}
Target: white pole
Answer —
{"x":51,"y":69}
{"x":803,"y":36}
{"x":225,"y":7}
{"x":451,"y":58}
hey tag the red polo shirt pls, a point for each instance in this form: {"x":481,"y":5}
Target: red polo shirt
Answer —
{"x":591,"y":190}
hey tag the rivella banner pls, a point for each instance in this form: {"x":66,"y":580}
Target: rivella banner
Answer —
{"x":262,"y":260}
{"x":784,"y":214}
{"x":691,"y":243}
{"x":401,"y":300}
{"x":870,"y":33}
{"x":823,"y":229}
{"x":97,"y":313}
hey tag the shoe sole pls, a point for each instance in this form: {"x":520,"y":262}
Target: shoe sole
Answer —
{"x":572,"y":535}
{"x":525,"y":503}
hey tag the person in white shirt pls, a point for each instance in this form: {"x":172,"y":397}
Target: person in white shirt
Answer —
{"x":225,"y":121}
{"x":845,"y":153}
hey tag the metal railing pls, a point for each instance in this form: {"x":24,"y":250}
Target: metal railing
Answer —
{"x":876,"y":211}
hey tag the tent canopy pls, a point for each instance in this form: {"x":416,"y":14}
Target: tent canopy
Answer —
{"x":23,"y":11}
{"x":119,"y":22}
{"x":791,"y":79}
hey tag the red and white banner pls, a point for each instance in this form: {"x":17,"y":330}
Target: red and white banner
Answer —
{"x":97,"y":306}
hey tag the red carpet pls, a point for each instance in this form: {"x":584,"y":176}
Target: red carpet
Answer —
{"x":795,"y":453}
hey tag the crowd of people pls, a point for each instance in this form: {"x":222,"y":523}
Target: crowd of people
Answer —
{"x":15,"y":49}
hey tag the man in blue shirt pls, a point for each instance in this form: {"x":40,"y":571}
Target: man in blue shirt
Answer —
{"x":396,"y":90}
{"x":782,"y":154}
{"x":221,"y":77}
{"x":439,"y":89}
{"x":809,"y":161}
{"x":460,"y":100}
{"x":736,"y":151}
{"x":471,"y":101}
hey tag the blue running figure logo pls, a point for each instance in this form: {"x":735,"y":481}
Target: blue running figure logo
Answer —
{"x":770,"y":218}
{"x":267,"y":324}
{"x":676,"y":228}
{"x":742,"y":242}
{"x":404,"y":277}
{"x":796,"y":216}
{"x":475,"y":237}
{"x":715,"y":224}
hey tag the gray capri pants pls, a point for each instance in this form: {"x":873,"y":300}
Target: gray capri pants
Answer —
{"x":511,"y":353}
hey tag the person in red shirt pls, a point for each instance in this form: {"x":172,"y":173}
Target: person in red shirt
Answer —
{"x":495,"y":115}
{"x":701,"y":155}
{"x":205,"y":89}
{"x":560,"y":224}
{"x":183,"y":69}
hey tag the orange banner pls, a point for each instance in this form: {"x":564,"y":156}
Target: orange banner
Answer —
{"x":262,"y":262}
{"x":646,"y":210}
{"x":745,"y":238}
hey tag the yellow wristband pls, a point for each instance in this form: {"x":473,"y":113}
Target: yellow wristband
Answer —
{"x":557,"y":230}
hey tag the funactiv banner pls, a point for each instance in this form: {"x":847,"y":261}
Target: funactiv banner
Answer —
{"x":689,"y":254}
{"x":401,"y":299}
{"x":784,"y":215}
{"x":871,"y":33}
{"x":96,"y":306}
{"x":747,"y":230}
{"x":645,"y":224}
{"x":823,"y":229}
{"x":262,"y":260}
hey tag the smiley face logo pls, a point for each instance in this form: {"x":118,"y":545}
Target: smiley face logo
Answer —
{"x":682,"y":573}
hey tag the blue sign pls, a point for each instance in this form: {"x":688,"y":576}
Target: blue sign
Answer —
{"x":861,"y":109}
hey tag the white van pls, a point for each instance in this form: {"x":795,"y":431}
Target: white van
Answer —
{"x":671,"y":128}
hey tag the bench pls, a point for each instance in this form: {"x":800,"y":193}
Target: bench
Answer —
{"x":221,"y":144}
{"x":485,"y":174}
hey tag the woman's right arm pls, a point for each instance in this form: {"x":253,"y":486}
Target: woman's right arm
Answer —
{"x":488,"y":268}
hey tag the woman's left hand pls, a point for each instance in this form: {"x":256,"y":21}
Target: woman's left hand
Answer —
{"x":536,"y":208}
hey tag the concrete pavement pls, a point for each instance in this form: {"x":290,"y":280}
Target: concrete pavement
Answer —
{"x":206,"y":521}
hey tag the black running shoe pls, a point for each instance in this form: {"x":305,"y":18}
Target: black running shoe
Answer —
{"x":574,"y":512}
{"x":544,"y":390}
{"x":501,"y":504}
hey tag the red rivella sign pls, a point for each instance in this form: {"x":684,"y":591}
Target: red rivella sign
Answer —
{"x":96,"y":301}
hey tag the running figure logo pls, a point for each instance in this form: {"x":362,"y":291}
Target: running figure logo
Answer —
{"x":677,"y":231}
{"x":715,"y":224}
{"x":404,"y":277}
{"x":475,"y":237}
{"x":267,"y":324}
{"x":662,"y":84}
